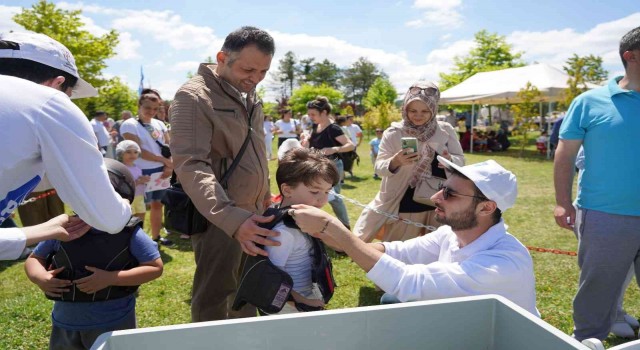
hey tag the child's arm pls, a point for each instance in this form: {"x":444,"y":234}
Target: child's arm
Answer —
{"x":45,"y":280}
{"x":100,"y":279}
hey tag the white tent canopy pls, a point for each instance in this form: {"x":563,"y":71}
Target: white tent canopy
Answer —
{"x":502,"y":86}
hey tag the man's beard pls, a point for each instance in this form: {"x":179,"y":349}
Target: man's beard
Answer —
{"x":462,"y":220}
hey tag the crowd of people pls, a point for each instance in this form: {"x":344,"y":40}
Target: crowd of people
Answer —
{"x":216,"y":115}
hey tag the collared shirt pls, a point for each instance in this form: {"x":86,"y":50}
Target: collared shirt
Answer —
{"x":435,"y":267}
{"x":607,"y":120}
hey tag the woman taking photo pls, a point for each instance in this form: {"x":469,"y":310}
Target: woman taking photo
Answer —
{"x":329,"y":139}
{"x":403,"y":170}
{"x":287,"y":128}
{"x":149,"y":133}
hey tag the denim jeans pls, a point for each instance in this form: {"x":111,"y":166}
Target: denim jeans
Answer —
{"x":337,"y":204}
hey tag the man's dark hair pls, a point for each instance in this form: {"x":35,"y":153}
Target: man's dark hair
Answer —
{"x":341,"y":120}
{"x":304,"y":165}
{"x":99,"y":113}
{"x":245,"y":36}
{"x":629,"y":42}
{"x":479,"y":196}
{"x":34,"y":71}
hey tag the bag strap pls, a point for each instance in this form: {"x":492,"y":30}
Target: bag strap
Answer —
{"x":234,"y":164}
{"x":236,"y":160}
{"x":151,"y":135}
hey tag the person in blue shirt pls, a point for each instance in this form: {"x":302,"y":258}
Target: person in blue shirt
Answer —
{"x":77,"y":319}
{"x":604,"y":121}
{"x":375,"y":147}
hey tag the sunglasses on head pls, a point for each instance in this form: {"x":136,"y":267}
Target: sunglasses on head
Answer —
{"x":319,"y":105}
{"x":428,"y":91}
{"x":447,"y":192}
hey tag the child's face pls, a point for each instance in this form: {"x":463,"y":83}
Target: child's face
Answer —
{"x":129,"y":156}
{"x":316,"y":195}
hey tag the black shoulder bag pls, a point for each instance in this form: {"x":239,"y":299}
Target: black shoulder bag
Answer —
{"x":180,"y":214}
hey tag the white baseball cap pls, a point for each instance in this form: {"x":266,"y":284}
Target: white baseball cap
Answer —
{"x":495,"y":182}
{"x":42,"y":49}
{"x":288,"y":145}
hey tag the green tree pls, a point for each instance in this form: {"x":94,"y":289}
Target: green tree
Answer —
{"x":306,"y":93}
{"x":303,"y":70}
{"x":286,"y":73}
{"x":90,"y":51}
{"x":382,"y":91}
{"x":381,"y":116}
{"x":325,"y":72}
{"x":357,"y":80}
{"x":524,"y":112}
{"x":491,"y":52}
{"x":582,"y":70}
{"x":114,"y":97}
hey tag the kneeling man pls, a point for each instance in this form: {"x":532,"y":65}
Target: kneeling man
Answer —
{"x":471,"y":254}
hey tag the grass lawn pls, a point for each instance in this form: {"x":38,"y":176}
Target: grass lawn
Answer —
{"x":25,"y":312}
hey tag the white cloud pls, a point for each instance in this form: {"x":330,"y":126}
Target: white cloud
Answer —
{"x":437,"y":13}
{"x":127,"y":48}
{"x":165,"y":26}
{"x":555,"y":46}
{"x":6,"y":22}
{"x":185,"y":66}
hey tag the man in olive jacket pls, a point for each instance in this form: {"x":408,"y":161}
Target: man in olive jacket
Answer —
{"x":210,"y":118}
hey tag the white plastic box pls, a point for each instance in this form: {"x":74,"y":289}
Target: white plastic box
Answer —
{"x":486,"y":322}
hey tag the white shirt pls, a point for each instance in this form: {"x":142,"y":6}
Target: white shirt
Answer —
{"x":101,"y":133}
{"x":354,"y":131}
{"x":147,"y":142}
{"x":288,"y":129}
{"x":41,"y":129}
{"x":434,"y":267}
{"x":267,"y":126}
{"x":12,"y":243}
{"x":294,"y":256}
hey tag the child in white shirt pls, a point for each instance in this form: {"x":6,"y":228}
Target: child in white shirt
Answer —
{"x":304,"y":176}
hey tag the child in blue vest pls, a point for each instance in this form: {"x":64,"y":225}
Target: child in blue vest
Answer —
{"x":304,"y":176}
{"x":94,"y":278}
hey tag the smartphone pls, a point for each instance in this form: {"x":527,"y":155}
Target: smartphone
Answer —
{"x":410,"y":142}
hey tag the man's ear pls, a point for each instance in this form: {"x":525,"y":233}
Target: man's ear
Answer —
{"x":486,"y":208}
{"x":630,"y":56}
{"x":221,"y":57}
{"x":54,"y":82}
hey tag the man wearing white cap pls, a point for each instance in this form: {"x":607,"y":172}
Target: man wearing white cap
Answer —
{"x":41,"y":130}
{"x":471,"y":254}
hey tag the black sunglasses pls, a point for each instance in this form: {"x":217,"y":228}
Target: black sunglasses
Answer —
{"x":428,"y":91}
{"x":447,"y":192}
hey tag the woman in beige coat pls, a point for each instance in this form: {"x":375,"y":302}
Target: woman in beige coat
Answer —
{"x":402,"y":171}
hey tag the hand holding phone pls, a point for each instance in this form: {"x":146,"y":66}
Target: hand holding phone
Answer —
{"x":410,"y":142}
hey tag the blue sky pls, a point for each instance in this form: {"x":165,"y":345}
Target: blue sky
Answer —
{"x":409,"y":40}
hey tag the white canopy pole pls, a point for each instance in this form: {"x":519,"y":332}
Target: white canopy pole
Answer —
{"x":549,"y":133}
{"x":473,"y":109}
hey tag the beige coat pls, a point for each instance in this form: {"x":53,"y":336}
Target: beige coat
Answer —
{"x":394,"y":185}
{"x":209,"y":123}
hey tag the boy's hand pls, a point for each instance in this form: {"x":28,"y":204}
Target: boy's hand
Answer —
{"x":50,"y":285}
{"x":99,"y":280}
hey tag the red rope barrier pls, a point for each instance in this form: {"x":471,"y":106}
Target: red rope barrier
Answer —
{"x":553,"y":251}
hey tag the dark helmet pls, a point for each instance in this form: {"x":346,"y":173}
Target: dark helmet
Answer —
{"x":121,"y":179}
